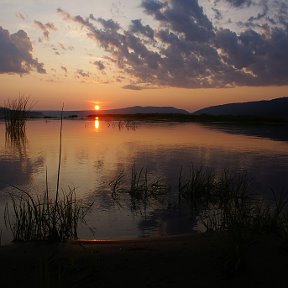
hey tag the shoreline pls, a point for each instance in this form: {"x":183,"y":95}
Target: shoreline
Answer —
{"x":200,"y":260}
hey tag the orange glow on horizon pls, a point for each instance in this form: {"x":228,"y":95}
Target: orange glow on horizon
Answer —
{"x":97,"y":107}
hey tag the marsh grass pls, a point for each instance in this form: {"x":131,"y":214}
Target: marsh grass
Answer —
{"x":15,"y":115}
{"x":129,"y":125}
{"x":222,"y":201}
{"x":15,"y":112}
{"x":46,"y":217}
{"x":229,"y":206}
{"x":141,"y":188}
{"x":196,"y":187}
{"x":15,"y":137}
{"x":41,"y":218}
{"x":230,"y":202}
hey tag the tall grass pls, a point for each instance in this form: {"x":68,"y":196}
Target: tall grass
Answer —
{"x":141,"y":188}
{"x":230,"y":203}
{"x":222,"y":201}
{"x":225,"y":203}
{"x":46,"y":217}
{"x":196,"y":187}
{"x":41,"y":218}
{"x":15,"y":114}
{"x":122,"y":124}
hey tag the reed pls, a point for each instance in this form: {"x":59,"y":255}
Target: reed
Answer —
{"x":15,"y":112}
{"x":15,"y":115}
{"x":221,"y":202}
{"x":197,"y":186}
{"x":39,"y":218}
{"x":234,"y":210}
{"x":141,"y":188}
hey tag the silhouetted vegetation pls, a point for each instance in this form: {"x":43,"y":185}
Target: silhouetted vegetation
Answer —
{"x":141,"y":187}
{"x":42,"y":218}
{"x":15,"y":112}
{"x":221,"y":203}
{"x":15,"y":115}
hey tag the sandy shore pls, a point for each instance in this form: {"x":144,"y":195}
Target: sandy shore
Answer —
{"x":200,"y":260}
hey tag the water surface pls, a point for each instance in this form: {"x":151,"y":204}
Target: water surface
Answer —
{"x":94,"y":153}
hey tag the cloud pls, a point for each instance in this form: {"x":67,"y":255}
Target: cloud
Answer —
{"x":267,"y":13}
{"x":108,"y":24}
{"x":20,"y":16}
{"x":153,"y":7}
{"x":64,"y":14}
{"x":184,"y":48}
{"x":185,"y":16}
{"x":240,"y":3}
{"x":45,"y":28}
{"x":264,"y":57}
{"x":64,"y":69}
{"x":99,"y":65}
{"x":82,"y":74}
{"x":16,"y":53}
{"x":64,"y":48}
{"x":137,"y":27}
{"x":133,"y":87}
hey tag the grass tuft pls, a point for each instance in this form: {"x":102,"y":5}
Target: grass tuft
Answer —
{"x":142,"y":189}
{"x":43,"y":218}
{"x":38,"y":219}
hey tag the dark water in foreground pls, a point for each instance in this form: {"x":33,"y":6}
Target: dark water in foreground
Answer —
{"x":94,"y":153}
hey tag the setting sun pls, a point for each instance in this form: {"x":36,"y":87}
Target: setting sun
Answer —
{"x":97,"y":107}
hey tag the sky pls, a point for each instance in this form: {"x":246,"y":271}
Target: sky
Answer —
{"x":188,"y":54}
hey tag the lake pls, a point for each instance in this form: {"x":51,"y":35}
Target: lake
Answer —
{"x":95,"y":153}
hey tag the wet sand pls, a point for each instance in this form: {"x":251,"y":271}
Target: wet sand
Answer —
{"x":198,"y":260}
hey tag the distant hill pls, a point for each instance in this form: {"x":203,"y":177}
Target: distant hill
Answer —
{"x":146,"y":110}
{"x":29,"y":114}
{"x":2,"y":112}
{"x":120,"y":111}
{"x":275,"y":108}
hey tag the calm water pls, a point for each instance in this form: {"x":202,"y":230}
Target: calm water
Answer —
{"x":96,"y":152}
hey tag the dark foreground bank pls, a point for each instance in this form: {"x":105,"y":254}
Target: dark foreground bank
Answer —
{"x":201,"y":260}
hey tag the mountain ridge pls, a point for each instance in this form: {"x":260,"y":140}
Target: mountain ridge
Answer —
{"x":118,"y":111}
{"x":274,"y":108}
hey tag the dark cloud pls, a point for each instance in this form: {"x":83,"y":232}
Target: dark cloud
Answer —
{"x":99,"y":65}
{"x":185,"y":17}
{"x":137,"y":27}
{"x":16,"y":53}
{"x":154,"y":7}
{"x":82,"y":74}
{"x":240,"y":3}
{"x":64,"y":69}
{"x":282,"y":13}
{"x":218,"y":15}
{"x":45,"y":28}
{"x":186,"y":50}
{"x":55,"y":50}
{"x":133,"y":87}
{"x":264,"y":57}
{"x":109,"y":24}
{"x":64,"y":48}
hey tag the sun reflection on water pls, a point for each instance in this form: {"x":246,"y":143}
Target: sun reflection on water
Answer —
{"x":97,"y":123}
